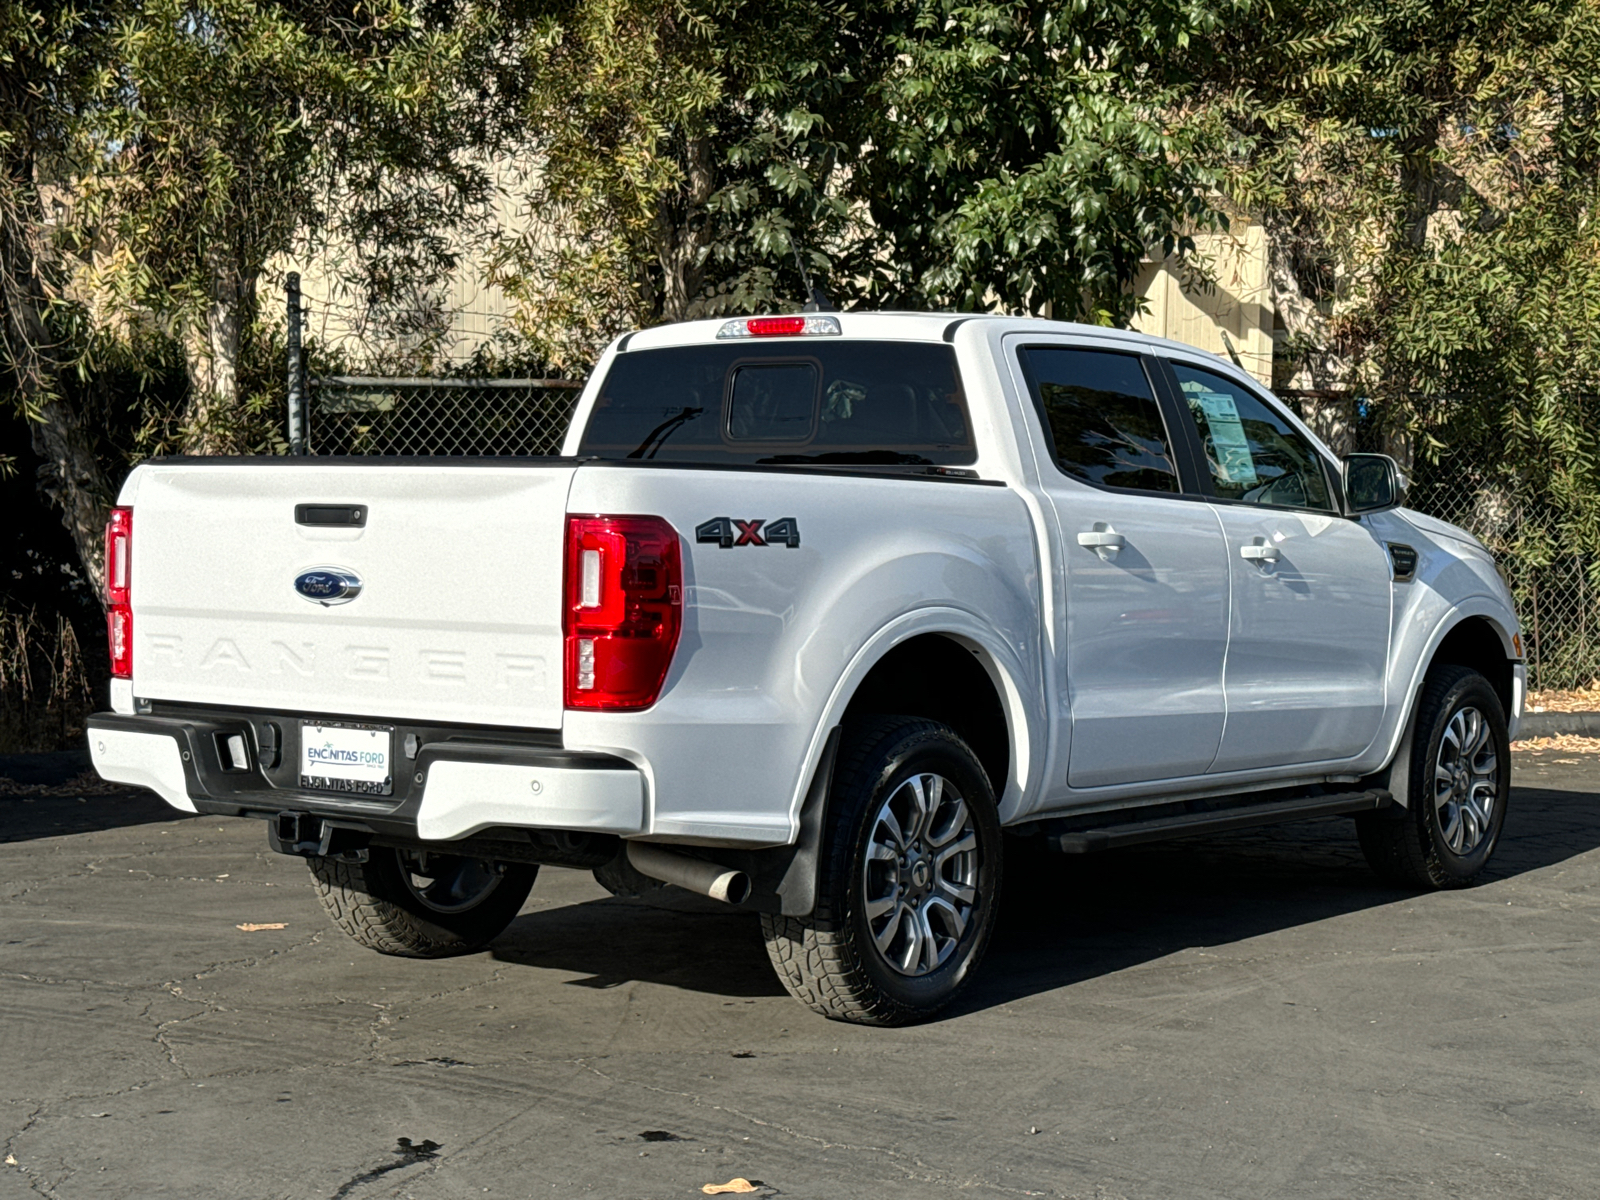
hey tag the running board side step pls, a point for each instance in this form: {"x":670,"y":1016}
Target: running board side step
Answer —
{"x":1133,"y":833}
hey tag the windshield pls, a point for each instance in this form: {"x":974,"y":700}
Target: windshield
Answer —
{"x":843,"y":403}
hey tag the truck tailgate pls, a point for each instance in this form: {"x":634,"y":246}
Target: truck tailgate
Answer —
{"x":458,"y":617}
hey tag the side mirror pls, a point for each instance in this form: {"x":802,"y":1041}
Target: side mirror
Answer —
{"x":1372,"y":483}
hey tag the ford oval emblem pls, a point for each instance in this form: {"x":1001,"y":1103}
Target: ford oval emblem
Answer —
{"x":328,"y":585}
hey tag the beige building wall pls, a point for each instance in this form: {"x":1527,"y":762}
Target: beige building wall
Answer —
{"x":447,"y":320}
{"x":440,"y":324}
{"x":1237,"y":301}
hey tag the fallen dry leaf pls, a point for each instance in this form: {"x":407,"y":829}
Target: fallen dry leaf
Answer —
{"x":1570,"y":743}
{"x":733,"y":1185}
{"x":1579,"y":700}
{"x":252,"y":928}
{"x":11,"y":1160}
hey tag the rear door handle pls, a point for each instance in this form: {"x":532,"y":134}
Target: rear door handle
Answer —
{"x":1259,"y":553}
{"x":1104,"y":541}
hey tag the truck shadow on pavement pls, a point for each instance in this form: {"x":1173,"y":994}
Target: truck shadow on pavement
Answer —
{"x":1063,"y":920}
{"x":614,"y":942}
{"x":1106,"y":912}
{"x":58,"y":793}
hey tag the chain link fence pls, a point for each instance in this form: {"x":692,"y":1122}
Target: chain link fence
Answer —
{"x":362,"y":415}
{"x":1469,"y":483}
{"x":1554,"y":590}
{"x":1555,"y":594}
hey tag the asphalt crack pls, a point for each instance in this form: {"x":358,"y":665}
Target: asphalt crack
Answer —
{"x":410,"y":1154}
{"x":37,"y":1185}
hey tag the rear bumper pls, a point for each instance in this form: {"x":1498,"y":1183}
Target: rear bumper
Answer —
{"x":448,"y":783}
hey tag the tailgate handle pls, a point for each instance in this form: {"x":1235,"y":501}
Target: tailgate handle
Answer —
{"x":330,"y":514}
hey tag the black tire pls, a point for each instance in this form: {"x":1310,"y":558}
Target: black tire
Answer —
{"x":830,"y":960}
{"x":1412,"y":847}
{"x":380,"y":905}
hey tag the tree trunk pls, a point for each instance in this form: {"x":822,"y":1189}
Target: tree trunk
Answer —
{"x":1322,"y":374}
{"x":69,"y":469}
{"x":211,"y":355}
{"x":70,"y":474}
{"x":681,"y":235}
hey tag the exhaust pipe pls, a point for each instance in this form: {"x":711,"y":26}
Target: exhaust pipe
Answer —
{"x":691,"y":874}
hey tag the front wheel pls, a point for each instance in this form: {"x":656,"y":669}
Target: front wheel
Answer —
{"x":1459,"y":785}
{"x":908,"y":881}
{"x":419,"y":903}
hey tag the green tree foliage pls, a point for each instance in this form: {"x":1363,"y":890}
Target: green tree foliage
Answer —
{"x":1030,"y":155}
{"x":53,"y":60}
{"x":681,"y":153}
{"x":237,"y":131}
{"x":698,"y":156}
{"x":1427,"y":171}
{"x":157,"y":153}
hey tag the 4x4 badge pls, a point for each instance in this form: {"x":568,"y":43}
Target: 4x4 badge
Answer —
{"x":728,"y":532}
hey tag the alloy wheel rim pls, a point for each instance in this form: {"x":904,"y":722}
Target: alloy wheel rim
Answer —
{"x":1466,"y":781}
{"x":447,"y":883}
{"x":920,"y":877}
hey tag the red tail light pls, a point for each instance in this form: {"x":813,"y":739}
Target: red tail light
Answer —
{"x":624,"y":607}
{"x":119,"y":577}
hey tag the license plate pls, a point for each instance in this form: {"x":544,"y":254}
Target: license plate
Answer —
{"x":347,"y":758}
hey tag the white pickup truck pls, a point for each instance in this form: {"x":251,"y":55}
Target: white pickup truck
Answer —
{"x":819,"y":614}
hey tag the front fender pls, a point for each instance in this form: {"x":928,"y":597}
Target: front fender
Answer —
{"x":1502,"y":620}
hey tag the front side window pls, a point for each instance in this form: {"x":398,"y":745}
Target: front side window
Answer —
{"x":846,"y":403}
{"x":1102,"y":416}
{"x":1254,"y":454}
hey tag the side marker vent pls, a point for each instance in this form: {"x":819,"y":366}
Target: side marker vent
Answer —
{"x":1404,"y":560}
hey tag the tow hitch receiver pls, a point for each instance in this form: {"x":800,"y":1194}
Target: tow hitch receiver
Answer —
{"x":311,"y":836}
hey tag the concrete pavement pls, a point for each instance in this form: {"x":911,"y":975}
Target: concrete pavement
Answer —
{"x":1248,"y":1015}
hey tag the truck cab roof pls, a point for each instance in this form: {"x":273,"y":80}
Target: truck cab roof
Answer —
{"x":891,"y":325}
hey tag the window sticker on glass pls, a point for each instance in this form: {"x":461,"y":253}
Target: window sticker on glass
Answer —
{"x":1229,"y":442}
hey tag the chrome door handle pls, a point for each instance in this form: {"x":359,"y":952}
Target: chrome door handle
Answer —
{"x":1259,"y":553}
{"x":1103,"y":540}
{"x":1097,"y":538}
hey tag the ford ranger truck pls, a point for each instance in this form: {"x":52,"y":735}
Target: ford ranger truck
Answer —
{"x":817,"y":614}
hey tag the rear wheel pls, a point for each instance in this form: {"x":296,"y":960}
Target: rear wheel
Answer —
{"x":419,"y":903}
{"x":908,"y":881}
{"x":1459,"y":785}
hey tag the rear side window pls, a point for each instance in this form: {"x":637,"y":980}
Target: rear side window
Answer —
{"x":844,"y":403}
{"x":1102,"y":415}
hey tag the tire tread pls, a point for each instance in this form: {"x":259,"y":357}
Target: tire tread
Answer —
{"x":352,"y":894}
{"x":1401,"y":852}
{"x":816,"y":956}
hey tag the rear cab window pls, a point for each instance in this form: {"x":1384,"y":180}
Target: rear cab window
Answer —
{"x":842,"y":403}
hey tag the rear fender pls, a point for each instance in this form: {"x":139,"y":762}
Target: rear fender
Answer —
{"x":785,"y":877}
{"x":1019,"y":695}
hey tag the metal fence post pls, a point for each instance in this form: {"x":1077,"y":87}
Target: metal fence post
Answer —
{"x":297,"y":391}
